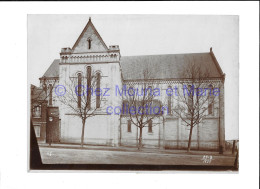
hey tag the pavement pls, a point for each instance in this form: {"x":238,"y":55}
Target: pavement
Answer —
{"x":75,"y":154}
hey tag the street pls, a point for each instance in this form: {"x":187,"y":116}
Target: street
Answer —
{"x":51,"y":155}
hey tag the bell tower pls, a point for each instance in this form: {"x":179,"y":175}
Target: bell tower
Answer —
{"x":91,"y":52}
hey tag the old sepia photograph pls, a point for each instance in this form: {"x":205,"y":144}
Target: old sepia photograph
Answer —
{"x":133,"y":92}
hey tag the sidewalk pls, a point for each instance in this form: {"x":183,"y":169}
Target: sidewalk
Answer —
{"x":133,"y":149}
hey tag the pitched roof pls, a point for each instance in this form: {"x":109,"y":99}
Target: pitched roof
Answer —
{"x":89,"y":24}
{"x":169,"y":66}
{"x":53,"y":70}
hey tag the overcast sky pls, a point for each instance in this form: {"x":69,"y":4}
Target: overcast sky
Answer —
{"x":143,"y":35}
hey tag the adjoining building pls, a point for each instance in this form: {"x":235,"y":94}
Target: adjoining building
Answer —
{"x":38,"y":110}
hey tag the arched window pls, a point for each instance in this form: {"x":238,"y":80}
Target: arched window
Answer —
{"x":79,"y":89}
{"x":125,"y":107}
{"x":149,"y":91}
{"x":89,"y":87}
{"x":190,"y":98}
{"x":50,"y":94}
{"x":89,"y":43}
{"x":98,"y":92}
{"x":210,"y":100}
{"x":170,"y":102}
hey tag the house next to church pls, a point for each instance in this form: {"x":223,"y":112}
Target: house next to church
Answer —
{"x":90,"y":54}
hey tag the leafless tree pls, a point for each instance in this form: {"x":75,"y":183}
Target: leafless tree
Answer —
{"x":83,"y":97}
{"x":194,"y":96}
{"x":140,"y":104}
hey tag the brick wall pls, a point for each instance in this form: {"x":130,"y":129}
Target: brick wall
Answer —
{"x":41,"y":121}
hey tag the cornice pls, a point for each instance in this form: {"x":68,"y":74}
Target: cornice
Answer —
{"x":169,"y":81}
{"x":89,"y":63}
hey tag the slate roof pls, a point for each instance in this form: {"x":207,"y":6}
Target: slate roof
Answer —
{"x":168,"y":66}
{"x":53,"y":70}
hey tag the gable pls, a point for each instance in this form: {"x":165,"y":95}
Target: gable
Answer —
{"x":89,"y":33}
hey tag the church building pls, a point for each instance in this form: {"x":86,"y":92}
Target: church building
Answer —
{"x":91,"y":56}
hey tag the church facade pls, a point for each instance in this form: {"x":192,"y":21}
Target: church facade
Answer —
{"x":106,"y":126}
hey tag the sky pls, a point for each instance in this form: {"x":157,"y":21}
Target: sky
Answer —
{"x":144,"y":35}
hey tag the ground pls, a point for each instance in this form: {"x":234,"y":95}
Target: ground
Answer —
{"x":58,"y":155}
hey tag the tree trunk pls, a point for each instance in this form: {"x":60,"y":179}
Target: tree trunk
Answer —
{"x":189,"y":143}
{"x":140,"y":139}
{"x":82,"y":133}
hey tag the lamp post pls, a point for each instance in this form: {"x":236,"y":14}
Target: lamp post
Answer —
{"x":50,"y":136}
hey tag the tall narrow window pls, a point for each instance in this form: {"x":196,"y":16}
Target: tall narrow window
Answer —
{"x":50,"y":94}
{"x":129,"y":126}
{"x":98,"y":93}
{"x":190,"y":99}
{"x":149,"y":91}
{"x":210,"y":100}
{"x":89,"y":43}
{"x":150,"y":126}
{"x":79,"y":89}
{"x":210,"y":107}
{"x":170,"y":102}
{"x":89,"y":87}
{"x":125,"y":107}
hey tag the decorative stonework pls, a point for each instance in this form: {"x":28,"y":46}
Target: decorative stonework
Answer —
{"x":90,"y":57}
